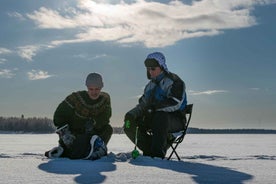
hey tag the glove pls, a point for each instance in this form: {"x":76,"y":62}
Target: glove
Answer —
{"x":129,"y":117}
{"x":65,"y":135}
{"x":89,"y":126}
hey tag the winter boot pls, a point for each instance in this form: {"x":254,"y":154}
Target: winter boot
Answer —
{"x":98,"y":148}
{"x":55,"y":152}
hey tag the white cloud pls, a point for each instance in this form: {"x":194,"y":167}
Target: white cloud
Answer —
{"x":98,"y":56}
{"x":2,"y":60}
{"x":38,"y":74}
{"x":85,"y":56}
{"x":47,"y":18}
{"x":208,"y":92}
{"x":152,"y":23}
{"x":16,"y":15}
{"x":4,"y":51}
{"x":5,"y":73}
{"x":27,"y":52}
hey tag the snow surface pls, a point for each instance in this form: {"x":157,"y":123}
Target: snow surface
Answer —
{"x":206,"y":159}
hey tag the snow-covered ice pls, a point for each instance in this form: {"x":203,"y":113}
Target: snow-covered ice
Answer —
{"x":206,"y":159}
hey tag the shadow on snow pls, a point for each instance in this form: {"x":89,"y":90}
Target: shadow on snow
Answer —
{"x":200,"y":173}
{"x":91,"y":172}
{"x":87,"y":171}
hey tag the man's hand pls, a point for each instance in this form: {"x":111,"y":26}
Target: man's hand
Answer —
{"x":65,"y":135}
{"x":68,"y":139}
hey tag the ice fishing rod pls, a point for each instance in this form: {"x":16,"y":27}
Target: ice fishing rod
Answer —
{"x":135,"y":153}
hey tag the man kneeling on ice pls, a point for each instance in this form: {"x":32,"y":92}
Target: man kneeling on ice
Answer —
{"x":82,"y":122}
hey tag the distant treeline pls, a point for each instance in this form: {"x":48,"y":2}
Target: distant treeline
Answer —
{"x":230,"y":131}
{"x":33,"y":125}
{"x":46,"y":125}
{"x":120,"y":130}
{"x":25,"y":125}
{"x":219,"y":131}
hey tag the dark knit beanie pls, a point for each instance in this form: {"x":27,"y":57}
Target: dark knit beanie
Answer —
{"x":94,"y":79}
{"x":150,"y":62}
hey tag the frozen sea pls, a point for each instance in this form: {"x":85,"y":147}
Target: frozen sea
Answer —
{"x":206,"y":159}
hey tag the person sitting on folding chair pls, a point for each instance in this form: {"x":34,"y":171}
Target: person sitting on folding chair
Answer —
{"x":159,"y":108}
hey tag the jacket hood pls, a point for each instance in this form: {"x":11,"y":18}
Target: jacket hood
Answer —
{"x":160,"y":58}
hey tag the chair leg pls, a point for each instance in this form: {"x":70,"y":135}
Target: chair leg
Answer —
{"x":177,"y":156}
{"x":174,"y":152}
{"x":170,"y":155}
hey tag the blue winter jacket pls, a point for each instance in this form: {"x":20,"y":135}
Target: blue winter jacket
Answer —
{"x":167,"y":93}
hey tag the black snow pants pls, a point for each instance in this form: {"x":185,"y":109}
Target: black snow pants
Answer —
{"x":159,"y":124}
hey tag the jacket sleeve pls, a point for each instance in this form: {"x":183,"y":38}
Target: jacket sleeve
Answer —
{"x":175,"y":97}
{"x":63,"y":114}
{"x":140,"y":108}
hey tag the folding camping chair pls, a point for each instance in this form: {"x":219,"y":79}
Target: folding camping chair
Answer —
{"x":178,"y":137}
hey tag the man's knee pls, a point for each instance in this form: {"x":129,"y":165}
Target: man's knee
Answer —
{"x":130,"y":131}
{"x":109,"y":129}
{"x":130,"y":127}
{"x":106,"y":133}
{"x":160,"y":117}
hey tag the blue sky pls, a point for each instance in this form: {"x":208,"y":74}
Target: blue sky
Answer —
{"x":223,"y":50}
